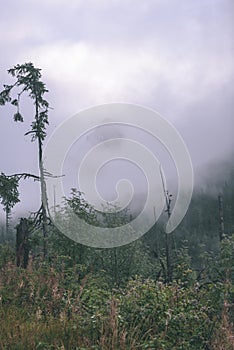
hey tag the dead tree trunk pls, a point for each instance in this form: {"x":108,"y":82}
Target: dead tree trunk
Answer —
{"x":168,"y":237}
{"x":8,"y":212}
{"x":221,"y":219}
{"x":22,"y":243}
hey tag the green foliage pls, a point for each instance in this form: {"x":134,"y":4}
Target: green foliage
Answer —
{"x":81,"y":208}
{"x":28,"y":79}
{"x":227,"y":258}
{"x":9,"y":193}
{"x":7,"y":254}
{"x":146,"y":314}
{"x":170,"y":317}
{"x":64,"y":305}
{"x":182,"y":271}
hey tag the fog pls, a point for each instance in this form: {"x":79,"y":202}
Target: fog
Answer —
{"x":175,"y":57}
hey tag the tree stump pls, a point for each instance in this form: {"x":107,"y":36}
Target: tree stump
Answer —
{"x":22,"y":243}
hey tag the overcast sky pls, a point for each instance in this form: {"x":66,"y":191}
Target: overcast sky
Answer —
{"x":175,"y":56}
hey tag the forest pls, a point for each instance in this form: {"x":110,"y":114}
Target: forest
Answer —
{"x":162,"y":291}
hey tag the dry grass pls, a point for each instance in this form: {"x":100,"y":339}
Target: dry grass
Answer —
{"x":224,"y":337}
{"x":38,"y":311}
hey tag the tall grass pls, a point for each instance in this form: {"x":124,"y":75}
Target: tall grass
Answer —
{"x":54,"y":307}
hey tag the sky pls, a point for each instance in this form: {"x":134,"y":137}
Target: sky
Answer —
{"x":173,"y":56}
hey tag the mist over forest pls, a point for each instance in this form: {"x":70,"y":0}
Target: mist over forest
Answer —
{"x":116,"y":175}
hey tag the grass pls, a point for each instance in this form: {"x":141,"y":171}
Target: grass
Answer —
{"x":46,"y":308}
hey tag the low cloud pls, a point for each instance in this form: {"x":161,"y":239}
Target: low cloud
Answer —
{"x":173,"y":56}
